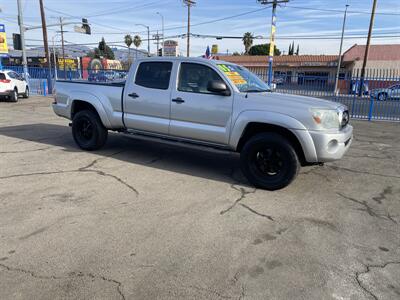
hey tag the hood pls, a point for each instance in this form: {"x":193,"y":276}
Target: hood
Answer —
{"x":290,"y":102}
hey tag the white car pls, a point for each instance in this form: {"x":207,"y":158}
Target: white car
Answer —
{"x":13,"y":85}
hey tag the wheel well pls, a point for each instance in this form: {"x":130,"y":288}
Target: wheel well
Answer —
{"x":79,"y":105}
{"x":256,"y":128}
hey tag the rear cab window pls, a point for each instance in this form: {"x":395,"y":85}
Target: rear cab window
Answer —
{"x":154,"y":75}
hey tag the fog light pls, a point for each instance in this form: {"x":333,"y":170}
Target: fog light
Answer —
{"x":332,"y":146}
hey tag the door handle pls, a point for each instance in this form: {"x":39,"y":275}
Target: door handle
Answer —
{"x":178,"y":100}
{"x":133,"y":95}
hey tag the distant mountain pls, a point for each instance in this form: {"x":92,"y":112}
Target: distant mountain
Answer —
{"x":78,"y":51}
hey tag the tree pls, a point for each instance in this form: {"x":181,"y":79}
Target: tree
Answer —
{"x":128,"y":42}
{"x":236,"y":53}
{"x":103,"y":50}
{"x":247,"y":39}
{"x":291,"y":49}
{"x":298,"y":49}
{"x":263,"y":49}
{"x":137,"y":41}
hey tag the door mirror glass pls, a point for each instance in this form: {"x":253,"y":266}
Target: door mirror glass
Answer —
{"x":219,"y":87}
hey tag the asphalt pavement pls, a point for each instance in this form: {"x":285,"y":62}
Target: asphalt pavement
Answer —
{"x":140,"y":220}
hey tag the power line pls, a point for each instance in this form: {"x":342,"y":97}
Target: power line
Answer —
{"x":338,"y":10}
{"x":197,"y":24}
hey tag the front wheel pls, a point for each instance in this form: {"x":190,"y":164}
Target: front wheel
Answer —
{"x":269,"y":161}
{"x":88,"y":131}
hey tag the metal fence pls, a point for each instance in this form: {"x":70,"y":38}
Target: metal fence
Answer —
{"x":38,"y":77}
{"x":377,"y":98}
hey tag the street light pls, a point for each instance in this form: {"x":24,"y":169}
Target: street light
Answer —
{"x":162,"y":22}
{"x":148,"y":37}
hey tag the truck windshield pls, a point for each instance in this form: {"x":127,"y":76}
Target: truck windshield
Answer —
{"x":244,"y":80}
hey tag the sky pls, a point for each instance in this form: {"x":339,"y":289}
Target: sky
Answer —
{"x":296,"y":21}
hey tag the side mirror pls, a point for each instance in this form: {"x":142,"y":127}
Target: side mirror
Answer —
{"x":218,"y":87}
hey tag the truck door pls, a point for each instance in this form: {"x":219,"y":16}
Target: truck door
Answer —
{"x":147,"y":98}
{"x":197,"y":113}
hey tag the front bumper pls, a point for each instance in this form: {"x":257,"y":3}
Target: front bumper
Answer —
{"x":332,"y":146}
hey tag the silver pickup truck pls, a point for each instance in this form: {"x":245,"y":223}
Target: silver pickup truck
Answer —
{"x":214,"y":104}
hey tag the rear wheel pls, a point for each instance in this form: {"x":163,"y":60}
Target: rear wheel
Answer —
{"x":269,"y":161}
{"x":14,"y":95}
{"x":88,"y":131}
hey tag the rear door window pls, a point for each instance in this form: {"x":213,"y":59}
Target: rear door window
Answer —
{"x":154,"y":75}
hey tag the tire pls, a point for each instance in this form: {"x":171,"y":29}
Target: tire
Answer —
{"x":382,"y":97}
{"x":269,"y":161}
{"x":26,"y":94}
{"x":14,"y":95}
{"x":88,"y":131}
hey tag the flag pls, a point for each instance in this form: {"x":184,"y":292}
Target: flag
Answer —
{"x":208,"y":53}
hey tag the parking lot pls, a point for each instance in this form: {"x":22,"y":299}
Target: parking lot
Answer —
{"x":140,"y":220}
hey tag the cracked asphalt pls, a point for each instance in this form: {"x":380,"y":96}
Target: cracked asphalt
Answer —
{"x":140,"y":220}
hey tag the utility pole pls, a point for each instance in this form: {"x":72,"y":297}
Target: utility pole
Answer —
{"x":340,"y":52}
{"x":157,"y":38}
{"x":163,"y":33}
{"x":46,"y":46}
{"x":189,"y":4}
{"x":22,"y":33}
{"x":273,"y":30}
{"x":371,"y":25}
{"x":62,"y":46}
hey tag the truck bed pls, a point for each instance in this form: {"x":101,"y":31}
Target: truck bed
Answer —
{"x":112,"y":83}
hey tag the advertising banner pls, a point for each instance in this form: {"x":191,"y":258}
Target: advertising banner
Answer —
{"x":3,"y":40}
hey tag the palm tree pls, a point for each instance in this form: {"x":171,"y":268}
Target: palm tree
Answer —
{"x":137,"y":41}
{"x":128,"y":42}
{"x":247,"y":41}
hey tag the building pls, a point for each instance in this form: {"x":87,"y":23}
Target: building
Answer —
{"x":290,"y":67}
{"x":385,"y":58}
{"x":382,"y":59}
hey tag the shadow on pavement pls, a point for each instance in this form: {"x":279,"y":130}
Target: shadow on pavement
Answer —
{"x":214,"y":166}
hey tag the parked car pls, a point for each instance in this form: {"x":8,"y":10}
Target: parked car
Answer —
{"x":102,"y":76}
{"x":210,"y":104}
{"x":279,"y":80}
{"x":355,"y":86}
{"x":390,"y":93}
{"x":12,"y":85}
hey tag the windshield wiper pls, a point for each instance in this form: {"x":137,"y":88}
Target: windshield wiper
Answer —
{"x":255,"y":91}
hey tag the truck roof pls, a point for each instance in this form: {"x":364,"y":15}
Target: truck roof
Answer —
{"x":185,"y":59}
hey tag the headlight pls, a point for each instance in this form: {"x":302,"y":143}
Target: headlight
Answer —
{"x":326,"y":118}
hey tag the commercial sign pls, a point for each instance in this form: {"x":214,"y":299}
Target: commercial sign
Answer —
{"x":70,"y":63}
{"x":3,"y":40}
{"x":170,"y":48}
{"x":214,"y":49}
